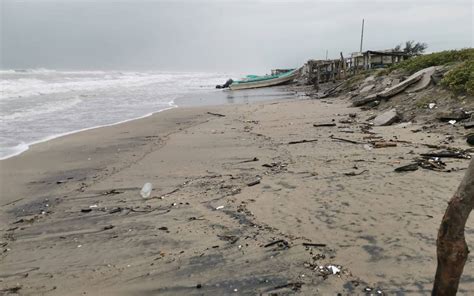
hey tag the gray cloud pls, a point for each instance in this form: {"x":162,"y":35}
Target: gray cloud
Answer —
{"x":217,"y":35}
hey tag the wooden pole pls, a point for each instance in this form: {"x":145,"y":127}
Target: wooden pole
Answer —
{"x":316,"y":81}
{"x":343,"y":66}
{"x":451,"y":247}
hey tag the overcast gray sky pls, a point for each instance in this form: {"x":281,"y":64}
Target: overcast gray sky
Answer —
{"x":217,"y":35}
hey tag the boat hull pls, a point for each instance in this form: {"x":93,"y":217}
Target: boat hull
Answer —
{"x":264,"y":83}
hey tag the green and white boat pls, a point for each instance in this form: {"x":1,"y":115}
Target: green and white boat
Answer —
{"x":254,"y":81}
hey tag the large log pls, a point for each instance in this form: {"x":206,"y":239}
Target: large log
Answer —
{"x":451,"y":246}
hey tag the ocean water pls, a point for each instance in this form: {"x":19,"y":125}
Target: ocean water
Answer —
{"x":38,"y":105}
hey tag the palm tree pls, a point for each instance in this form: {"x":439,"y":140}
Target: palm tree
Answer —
{"x":412,"y":48}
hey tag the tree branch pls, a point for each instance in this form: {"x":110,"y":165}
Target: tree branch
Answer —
{"x":451,"y":246}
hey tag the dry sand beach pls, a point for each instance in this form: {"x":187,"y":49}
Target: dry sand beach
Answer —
{"x":235,"y":208}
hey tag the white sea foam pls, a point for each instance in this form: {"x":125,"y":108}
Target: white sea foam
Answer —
{"x":39,"y":105}
{"x":25,"y":87}
{"x":46,"y":108}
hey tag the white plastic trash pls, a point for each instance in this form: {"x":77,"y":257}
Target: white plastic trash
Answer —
{"x":146,"y":190}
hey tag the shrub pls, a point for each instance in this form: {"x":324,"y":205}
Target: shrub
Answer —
{"x":435,"y":59}
{"x":461,"y":78}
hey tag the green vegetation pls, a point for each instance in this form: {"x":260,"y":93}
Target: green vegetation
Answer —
{"x":355,"y":79}
{"x":461,"y":78}
{"x":424,"y":101}
{"x":435,"y":59}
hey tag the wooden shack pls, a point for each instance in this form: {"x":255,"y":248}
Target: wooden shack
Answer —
{"x":321,"y":71}
{"x":371,"y":59}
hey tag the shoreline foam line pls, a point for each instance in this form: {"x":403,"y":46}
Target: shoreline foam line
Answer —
{"x":172,"y":105}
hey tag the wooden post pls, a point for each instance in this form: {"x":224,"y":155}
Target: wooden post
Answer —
{"x":343,"y":66}
{"x":451,"y":247}
{"x":311,"y":72}
{"x":316,"y":81}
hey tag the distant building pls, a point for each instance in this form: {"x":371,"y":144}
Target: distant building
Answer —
{"x":371,"y":59}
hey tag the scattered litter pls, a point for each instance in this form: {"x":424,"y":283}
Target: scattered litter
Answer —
{"x":329,"y":269}
{"x":281,"y":243}
{"x":448,"y":154}
{"x":115,"y":210}
{"x":452,"y":122}
{"x":112,"y":191}
{"x":86,"y":210}
{"x":407,"y":168}
{"x":108,"y":227}
{"x":344,"y":140}
{"x":347,"y":121}
{"x":433,"y":163}
{"x":431,"y":105}
{"x":323,"y":124}
{"x":253,"y":183}
{"x":334,"y":269}
{"x":249,"y":160}
{"x":302,"y":141}
{"x":313,"y":245}
{"x":271,"y":165}
{"x":219,"y":208}
{"x":216,"y":114}
{"x":368,"y":147}
{"x":93,"y":206}
{"x":12,"y":290}
{"x":146,"y":190}
{"x":371,"y":291}
{"x":384,"y":144}
{"x":350,"y":174}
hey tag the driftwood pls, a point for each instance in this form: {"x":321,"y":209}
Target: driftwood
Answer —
{"x":302,"y":141}
{"x":314,"y":245}
{"x":345,"y":140}
{"x":448,"y":154}
{"x":384,"y":144}
{"x":216,"y":114}
{"x":451,"y":247}
{"x":282,"y":241}
{"x":323,"y":124}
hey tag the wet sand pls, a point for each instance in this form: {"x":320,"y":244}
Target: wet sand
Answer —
{"x":74,"y":223}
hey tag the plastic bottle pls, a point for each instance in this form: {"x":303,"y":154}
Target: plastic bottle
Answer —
{"x":146,"y":190}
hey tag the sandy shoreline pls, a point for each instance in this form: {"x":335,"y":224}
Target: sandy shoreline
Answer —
{"x":98,"y":236}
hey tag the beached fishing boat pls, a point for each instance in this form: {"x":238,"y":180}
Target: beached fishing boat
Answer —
{"x":253,"y":81}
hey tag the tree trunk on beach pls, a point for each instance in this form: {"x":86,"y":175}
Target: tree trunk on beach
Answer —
{"x":451,"y":245}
